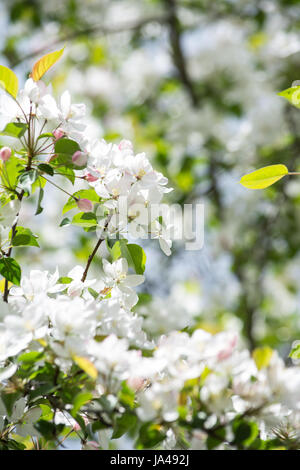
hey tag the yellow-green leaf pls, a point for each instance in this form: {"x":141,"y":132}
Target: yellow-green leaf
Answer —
{"x":264,"y":177}
{"x":262,"y":356}
{"x":86,"y":365}
{"x":44,"y":64}
{"x":292,"y":95}
{"x":2,"y":285}
{"x":9,"y":81}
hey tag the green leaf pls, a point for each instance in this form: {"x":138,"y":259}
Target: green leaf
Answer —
{"x":14,"y":169}
{"x":11,"y":270}
{"x":45,"y":135}
{"x":116,"y":250}
{"x":39,"y":208}
{"x":15,"y":445}
{"x":64,"y":280}
{"x":82,"y":194}
{"x":65,"y":221}
{"x":27,"y":179}
{"x":134,"y":255}
{"x":216,"y":439}
{"x":144,"y":299}
{"x":86,"y":365}
{"x":127,"y":396}
{"x":31,"y":357}
{"x":123,"y":424}
{"x":150,"y":435}
{"x":66,"y":147}
{"x":94,"y":293}
{"x":98,"y":426}
{"x":9,"y":400}
{"x":14,"y":129}
{"x":9,"y":81}
{"x":24,"y":237}
{"x":66,"y":172}
{"x":295,"y":352}
{"x":262,"y":356}
{"x":45,"y":168}
{"x":137,"y":258}
{"x":264,"y":177}
{"x":292,"y":95}
{"x":48,"y":429}
{"x":85,"y":219}
{"x":79,"y":401}
{"x":245,"y":432}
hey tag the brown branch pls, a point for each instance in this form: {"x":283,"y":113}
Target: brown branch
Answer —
{"x":177,"y":51}
{"x":91,"y":257}
{"x":91,"y":30}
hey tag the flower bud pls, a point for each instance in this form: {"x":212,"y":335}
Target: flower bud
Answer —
{"x":85,"y":205}
{"x":90,"y":178}
{"x":79,"y":158}
{"x":58,"y":133}
{"x":5,"y":154}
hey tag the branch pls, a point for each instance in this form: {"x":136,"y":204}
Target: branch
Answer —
{"x":91,"y":257}
{"x":20,"y":197}
{"x":91,"y":30}
{"x":177,"y":52}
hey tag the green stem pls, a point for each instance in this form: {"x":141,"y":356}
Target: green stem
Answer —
{"x":61,"y":189}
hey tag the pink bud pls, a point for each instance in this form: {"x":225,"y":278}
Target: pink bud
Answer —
{"x":136,"y":383}
{"x":76,"y":427}
{"x":79,"y":158}
{"x":58,"y":133}
{"x":85,"y":205}
{"x":5,"y":154}
{"x":90,"y":178}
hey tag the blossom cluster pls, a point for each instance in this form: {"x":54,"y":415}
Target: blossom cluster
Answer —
{"x":66,"y":324}
{"x":129,"y":188}
{"x":82,"y":351}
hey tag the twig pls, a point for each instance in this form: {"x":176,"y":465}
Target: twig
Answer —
{"x":177,"y":52}
{"x":95,"y":29}
{"x":90,"y":259}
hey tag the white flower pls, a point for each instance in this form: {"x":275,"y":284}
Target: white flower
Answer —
{"x":7,"y":372}
{"x":162,"y":234}
{"x":35,"y":90}
{"x":159,"y":400}
{"x":71,"y":115}
{"x":38,"y":282}
{"x":71,"y":317}
{"x":12,"y":344}
{"x":120,"y":282}
{"x":117,"y":274}
{"x":9,"y":109}
{"x":48,"y":108}
{"x":113,"y":318}
{"x":31,"y":319}
{"x":112,"y":357}
{"x":76,"y":287}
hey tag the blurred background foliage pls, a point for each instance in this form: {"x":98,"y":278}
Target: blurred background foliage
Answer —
{"x":193,"y":83}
